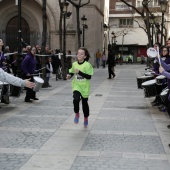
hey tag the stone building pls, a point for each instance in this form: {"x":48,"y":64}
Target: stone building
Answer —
{"x":32,"y":24}
{"x":126,"y":24}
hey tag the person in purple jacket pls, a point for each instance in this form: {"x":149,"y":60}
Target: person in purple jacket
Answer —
{"x":28,"y":66}
{"x":2,"y":57}
{"x":164,"y":69}
{"x":157,"y":100}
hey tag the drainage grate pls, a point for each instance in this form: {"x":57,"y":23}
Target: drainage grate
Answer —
{"x":137,"y":107}
{"x":98,"y":95}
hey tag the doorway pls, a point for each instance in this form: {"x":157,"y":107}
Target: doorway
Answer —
{"x":12,"y":33}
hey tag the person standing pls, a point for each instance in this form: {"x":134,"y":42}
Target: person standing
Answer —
{"x":2,"y":57}
{"x":142,"y":59}
{"x":155,"y":65}
{"x":98,"y":57}
{"x":82,"y":71}
{"x":119,"y":58}
{"x":111,"y":64}
{"x":28,"y":66}
{"x":168,"y":44}
{"x":8,"y":58}
{"x":130,"y":57}
{"x":3,"y":64}
{"x":49,"y":70}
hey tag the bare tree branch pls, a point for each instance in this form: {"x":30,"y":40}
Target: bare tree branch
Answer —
{"x":140,"y":25}
{"x":78,"y":5}
{"x":131,"y":6}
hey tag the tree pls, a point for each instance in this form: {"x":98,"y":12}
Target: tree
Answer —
{"x":146,"y":13}
{"x":78,"y":4}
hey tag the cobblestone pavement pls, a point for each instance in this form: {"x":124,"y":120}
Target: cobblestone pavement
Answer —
{"x":125,"y":132}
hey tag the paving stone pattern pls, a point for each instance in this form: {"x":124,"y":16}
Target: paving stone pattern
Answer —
{"x":47,"y":111}
{"x":125,"y":110}
{"x":104,"y":163}
{"x":119,"y":113}
{"x":33,"y":122}
{"x":12,"y":161}
{"x":121,"y":135}
{"x":28,"y":140}
{"x":125,"y":125}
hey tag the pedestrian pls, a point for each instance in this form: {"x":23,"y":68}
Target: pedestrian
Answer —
{"x":8,"y":78}
{"x":4,"y":66}
{"x":130,"y":57}
{"x":155,"y":65}
{"x":28,"y":66}
{"x":58,"y":65}
{"x":126,"y":59}
{"x":49,"y":70}
{"x":168,"y":44}
{"x":104,"y":59}
{"x":111,"y":64}
{"x":142,"y":59}
{"x":119,"y":58}
{"x":3,"y":63}
{"x":8,"y":58}
{"x":82,"y":71}
{"x":98,"y":57}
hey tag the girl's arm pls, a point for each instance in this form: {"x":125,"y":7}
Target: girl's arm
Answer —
{"x":87,"y":76}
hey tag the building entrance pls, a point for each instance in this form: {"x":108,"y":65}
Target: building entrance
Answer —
{"x":12,"y":33}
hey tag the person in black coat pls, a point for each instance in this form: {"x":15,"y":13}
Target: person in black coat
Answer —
{"x":111,"y":64}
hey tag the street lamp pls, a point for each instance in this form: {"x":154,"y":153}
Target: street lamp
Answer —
{"x":121,"y":59}
{"x":163,"y":4}
{"x":85,"y":26}
{"x":65,"y":7}
{"x":105,"y":26}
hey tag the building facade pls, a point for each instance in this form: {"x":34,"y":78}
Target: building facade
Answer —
{"x":32,"y":24}
{"x":126,"y":32}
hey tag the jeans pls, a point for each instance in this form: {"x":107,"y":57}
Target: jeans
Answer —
{"x":97,"y":62}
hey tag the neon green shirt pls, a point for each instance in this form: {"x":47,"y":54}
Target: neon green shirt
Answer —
{"x":80,"y":83}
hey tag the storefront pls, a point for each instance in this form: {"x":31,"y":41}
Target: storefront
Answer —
{"x":135,"y":50}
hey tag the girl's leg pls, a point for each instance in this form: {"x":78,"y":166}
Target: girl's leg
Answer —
{"x":76,"y":101}
{"x":85,"y":108}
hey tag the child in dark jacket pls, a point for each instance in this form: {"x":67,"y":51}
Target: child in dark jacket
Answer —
{"x":49,"y":70}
